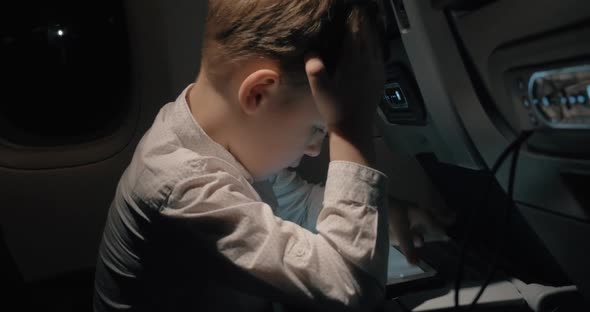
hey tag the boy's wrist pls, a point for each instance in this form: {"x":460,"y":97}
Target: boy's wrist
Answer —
{"x":356,"y":147}
{"x":354,"y":128}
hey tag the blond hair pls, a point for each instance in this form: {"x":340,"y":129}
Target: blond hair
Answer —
{"x":282,"y":30}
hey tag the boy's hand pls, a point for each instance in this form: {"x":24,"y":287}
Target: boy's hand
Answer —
{"x":400,"y":233}
{"x":347,"y":99}
{"x":409,"y":224}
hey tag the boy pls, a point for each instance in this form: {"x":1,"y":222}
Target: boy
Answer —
{"x":188,"y":231}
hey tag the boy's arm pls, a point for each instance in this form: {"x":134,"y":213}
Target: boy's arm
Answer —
{"x":298,"y":201}
{"x":347,"y":99}
{"x":341,"y":266}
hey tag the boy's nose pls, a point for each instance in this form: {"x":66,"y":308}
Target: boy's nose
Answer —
{"x":313,"y":150}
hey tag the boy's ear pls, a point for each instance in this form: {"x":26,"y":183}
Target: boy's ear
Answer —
{"x":257,"y":90}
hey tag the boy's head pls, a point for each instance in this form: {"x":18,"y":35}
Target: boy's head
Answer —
{"x":254,"y":57}
{"x":282,"y":30}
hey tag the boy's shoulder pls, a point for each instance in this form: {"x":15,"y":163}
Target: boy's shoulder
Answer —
{"x":166,"y":155}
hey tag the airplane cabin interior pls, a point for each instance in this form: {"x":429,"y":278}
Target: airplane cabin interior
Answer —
{"x":484,"y":123}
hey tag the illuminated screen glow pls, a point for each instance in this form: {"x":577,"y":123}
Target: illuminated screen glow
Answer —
{"x":398,"y":267}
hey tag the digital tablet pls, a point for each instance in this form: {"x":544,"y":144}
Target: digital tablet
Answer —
{"x":402,"y":276}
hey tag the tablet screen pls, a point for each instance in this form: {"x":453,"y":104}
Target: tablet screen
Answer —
{"x":399,"y":270}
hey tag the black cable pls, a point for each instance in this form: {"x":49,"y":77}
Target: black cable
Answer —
{"x":508,"y":210}
{"x":470,"y":225}
{"x":514,"y":146}
{"x":469,"y":229}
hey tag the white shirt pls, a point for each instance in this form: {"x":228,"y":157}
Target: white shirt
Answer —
{"x":188,"y":230}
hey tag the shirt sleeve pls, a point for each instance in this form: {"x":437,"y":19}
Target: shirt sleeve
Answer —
{"x":297,"y":200}
{"x":344,"y":264}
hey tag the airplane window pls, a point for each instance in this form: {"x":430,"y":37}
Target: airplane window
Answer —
{"x":65,"y":71}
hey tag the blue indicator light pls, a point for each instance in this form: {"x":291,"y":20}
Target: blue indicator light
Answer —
{"x":573,"y":100}
{"x":563,"y":100}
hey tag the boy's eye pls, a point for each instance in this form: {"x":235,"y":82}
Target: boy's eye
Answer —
{"x":318,"y":133}
{"x":318,"y":130}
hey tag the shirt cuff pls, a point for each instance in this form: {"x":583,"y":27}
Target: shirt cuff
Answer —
{"x":355,"y":182}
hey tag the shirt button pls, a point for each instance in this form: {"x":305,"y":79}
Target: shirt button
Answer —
{"x":300,"y":252}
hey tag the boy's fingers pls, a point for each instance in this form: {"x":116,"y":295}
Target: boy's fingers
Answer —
{"x":314,"y":65}
{"x":418,"y":238}
{"x":400,"y":226}
{"x":322,"y":89}
{"x":406,"y":244}
{"x":422,"y":219}
{"x":317,"y":75}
